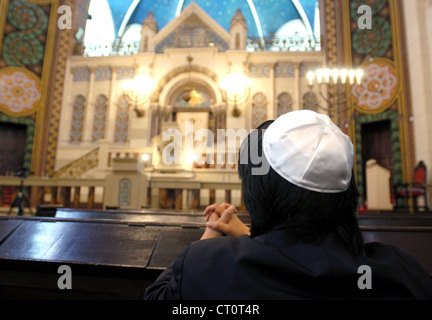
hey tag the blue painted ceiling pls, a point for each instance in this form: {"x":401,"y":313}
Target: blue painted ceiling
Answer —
{"x":271,"y":14}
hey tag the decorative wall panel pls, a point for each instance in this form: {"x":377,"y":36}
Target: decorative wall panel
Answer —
{"x":122,"y":120}
{"x":259,"y":109}
{"x":383,"y":93}
{"x":99,"y":118}
{"x":27,"y":30}
{"x":78,"y":112}
{"x":310,"y":101}
{"x":284,"y":103}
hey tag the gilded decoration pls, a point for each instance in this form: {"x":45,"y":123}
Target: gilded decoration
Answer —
{"x":79,"y":166}
{"x":27,"y":30}
{"x":380,"y":88}
{"x":383,"y":91}
{"x":20,"y":91}
{"x":58,"y":86}
{"x":193,"y":99}
{"x":24,"y":44}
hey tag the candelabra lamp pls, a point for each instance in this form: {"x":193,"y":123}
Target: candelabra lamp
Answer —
{"x":235,"y":89}
{"x":138,"y":92}
{"x":335,"y":88}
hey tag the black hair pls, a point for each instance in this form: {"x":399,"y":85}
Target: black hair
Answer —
{"x":273,"y":202}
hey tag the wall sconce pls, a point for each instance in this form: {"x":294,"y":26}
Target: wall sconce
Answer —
{"x":235,"y":88}
{"x":138,"y":91}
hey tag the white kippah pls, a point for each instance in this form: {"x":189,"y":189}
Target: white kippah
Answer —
{"x":309,"y":150}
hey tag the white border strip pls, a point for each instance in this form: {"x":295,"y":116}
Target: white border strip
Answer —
{"x":303,"y":15}
{"x":256,"y":18}
{"x":179,"y":7}
{"x":127,"y":17}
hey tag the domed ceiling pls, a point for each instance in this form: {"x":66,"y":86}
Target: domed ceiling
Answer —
{"x":262,"y":16}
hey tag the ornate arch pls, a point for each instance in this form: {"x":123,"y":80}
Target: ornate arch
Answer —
{"x":179,"y":78}
{"x":167,"y":79}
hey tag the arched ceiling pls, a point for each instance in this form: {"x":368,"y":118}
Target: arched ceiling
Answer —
{"x":262,"y":16}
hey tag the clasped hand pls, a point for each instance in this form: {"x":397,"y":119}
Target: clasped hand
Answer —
{"x":222,"y":219}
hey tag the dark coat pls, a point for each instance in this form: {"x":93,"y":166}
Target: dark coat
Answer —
{"x":270,"y":267}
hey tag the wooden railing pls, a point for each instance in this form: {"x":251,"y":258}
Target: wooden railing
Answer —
{"x":193,"y":194}
{"x":170,"y":193}
{"x":68,"y":193}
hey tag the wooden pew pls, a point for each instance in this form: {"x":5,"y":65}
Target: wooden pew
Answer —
{"x":118,"y":259}
{"x":147,"y":216}
{"x":416,"y":241}
{"x":402,"y":221}
{"x":108,"y":259}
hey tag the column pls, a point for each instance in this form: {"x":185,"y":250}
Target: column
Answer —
{"x":88,"y":119}
{"x":271,"y":110}
{"x":112,"y":107}
{"x":297,"y":88}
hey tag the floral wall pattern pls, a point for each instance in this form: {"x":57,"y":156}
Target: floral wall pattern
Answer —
{"x":381,"y":96}
{"x":284,"y":103}
{"x":259,"y":109}
{"x":99,"y":118}
{"x":19,"y":91}
{"x":78,"y":111}
{"x":122,"y":120}
{"x":310,"y":101}
{"x":26,"y":37}
{"x":23,"y":49}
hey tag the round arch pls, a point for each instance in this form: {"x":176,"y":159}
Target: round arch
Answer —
{"x":177,"y":83}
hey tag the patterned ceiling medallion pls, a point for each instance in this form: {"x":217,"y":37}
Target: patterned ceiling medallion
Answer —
{"x":380,"y":86}
{"x":20,"y":91}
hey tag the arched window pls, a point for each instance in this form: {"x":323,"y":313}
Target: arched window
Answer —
{"x":310,"y":101}
{"x":259,"y":109}
{"x":284,"y":103}
{"x":124,"y":192}
{"x":237,"y":40}
{"x":99,"y":118}
{"x":122,"y":120}
{"x":78,"y":111}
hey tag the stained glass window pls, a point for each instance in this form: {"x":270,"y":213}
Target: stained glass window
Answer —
{"x":284,"y":103}
{"x":124,"y":192}
{"x":99,"y":118}
{"x":78,"y":111}
{"x":310,"y":101}
{"x":259,"y":109}
{"x":122,"y":120}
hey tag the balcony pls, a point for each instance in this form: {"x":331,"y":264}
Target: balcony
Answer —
{"x":271,"y":42}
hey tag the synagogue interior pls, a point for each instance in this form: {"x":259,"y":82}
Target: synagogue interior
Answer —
{"x":121,"y":121}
